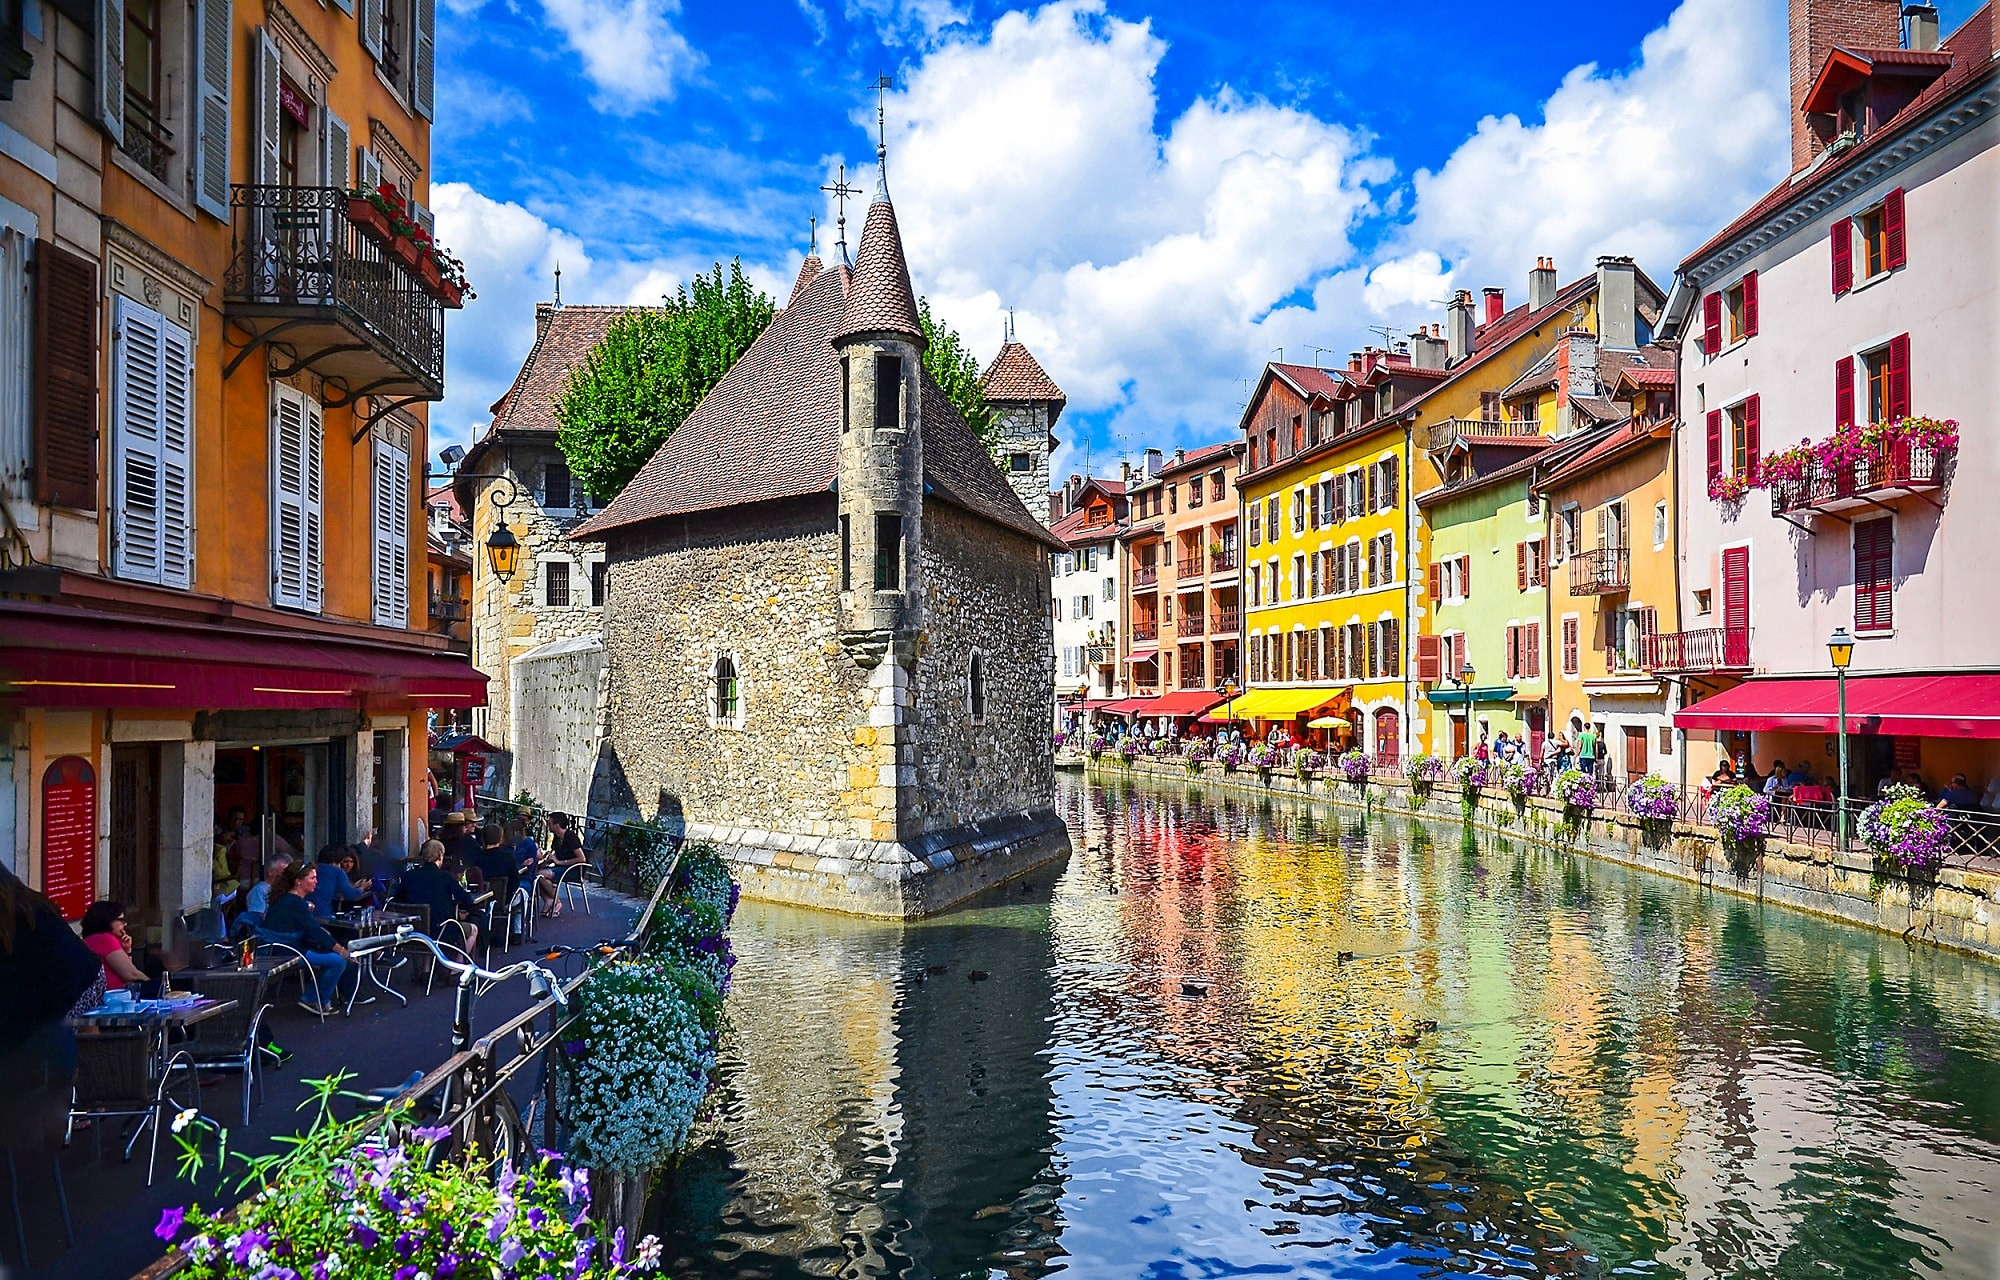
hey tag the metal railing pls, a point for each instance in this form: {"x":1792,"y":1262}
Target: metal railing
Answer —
{"x":295,"y":247}
{"x":145,"y":139}
{"x":1192,"y":624}
{"x":1477,"y":430}
{"x":1599,"y":570}
{"x":1100,"y":655}
{"x":1225,"y":620}
{"x":447,"y":609}
{"x":1146,"y":575}
{"x":1145,"y":631}
{"x":1904,"y":464}
{"x":1709,"y":649}
{"x":1223,"y":561}
{"x":1190,"y":568}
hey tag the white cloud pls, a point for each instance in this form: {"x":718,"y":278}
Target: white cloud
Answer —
{"x":1645,"y":162}
{"x":906,"y":21}
{"x":630,"y":48}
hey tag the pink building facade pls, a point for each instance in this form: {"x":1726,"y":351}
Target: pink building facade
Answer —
{"x":1864,"y":290}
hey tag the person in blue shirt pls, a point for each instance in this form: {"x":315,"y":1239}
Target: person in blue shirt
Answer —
{"x":333,"y":888}
{"x":258,"y":901}
{"x":290,"y":921}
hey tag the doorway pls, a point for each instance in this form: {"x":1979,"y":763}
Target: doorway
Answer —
{"x":133,"y":873}
{"x":1636,"y":762}
{"x":1388,"y":735}
{"x":1538,"y":731}
{"x":1460,"y":734}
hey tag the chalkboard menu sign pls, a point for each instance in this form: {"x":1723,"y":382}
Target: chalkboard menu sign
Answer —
{"x":69,"y":835}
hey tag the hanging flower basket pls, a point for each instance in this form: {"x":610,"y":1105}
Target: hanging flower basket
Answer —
{"x":1904,"y":829}
{"x":1354,"y":764}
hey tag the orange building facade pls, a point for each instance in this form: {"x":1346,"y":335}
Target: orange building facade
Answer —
{"x":1182,"y":573}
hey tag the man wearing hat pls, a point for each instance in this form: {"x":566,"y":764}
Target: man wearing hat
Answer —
{"x":461,"y":843}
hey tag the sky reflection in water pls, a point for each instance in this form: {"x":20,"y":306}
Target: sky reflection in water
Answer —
{"x":1627,"y":1076}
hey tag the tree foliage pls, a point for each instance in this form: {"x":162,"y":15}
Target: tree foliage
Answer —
{"x":956,"y":371}
{"x":650,"y":371}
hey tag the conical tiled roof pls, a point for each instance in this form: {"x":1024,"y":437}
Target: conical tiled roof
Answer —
{"x":879,"y":299}
{"x":811,"y":267}
{"x":1017,"y":375}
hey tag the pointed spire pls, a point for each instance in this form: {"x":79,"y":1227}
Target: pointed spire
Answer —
{"x":879,"y":298}
{"x":808,"y":272}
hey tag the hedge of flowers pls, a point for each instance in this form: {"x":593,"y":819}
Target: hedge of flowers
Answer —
{"x":1742,"y":817}
{"x":1902,"y":828}
{"x":338,"y":1202}
{"x":1354,"y":765}
{"x":1653,"y":798}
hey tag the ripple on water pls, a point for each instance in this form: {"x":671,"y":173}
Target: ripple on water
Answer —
{"x":1528,"y":1064}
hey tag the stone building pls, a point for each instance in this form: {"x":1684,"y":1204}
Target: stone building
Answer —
{"x":1027,"y":402}
{"x":556,"y":595}
{"x":828,"y":633}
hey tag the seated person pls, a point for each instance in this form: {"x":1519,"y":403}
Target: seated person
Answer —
{"x":426,"y":884}
{"x":461,"y":845}
{"x":1959,"y":795}
{"x":333,"y":890}
{"x":290,"y":921}
{"x":1800,"y":776}
{"x":565,"y":850}
{"x":260,"y":893}
{"x":497,"y":864}
{"x":104,"y":932}
{"x":1724,"y":775}
{"x":527,"y":854}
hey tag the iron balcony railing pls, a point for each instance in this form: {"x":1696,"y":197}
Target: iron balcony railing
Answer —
{"x":1694,"y":652}
{"x":1599,"y":570}
{"x":1101,"y":655}
{"x":1223,"y":561}
{"x":145,"y":138}
{"x":1906,"y":466}
{"x":1483,"y":431}
{"x":1146,"y":631}
{"x":1146,"y":575}
{"x":295,"y":257}
{"x":1192,"y":624}
{"x":445,"y":609}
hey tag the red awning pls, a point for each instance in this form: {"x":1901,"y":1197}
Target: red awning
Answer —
{"x":76,"y":659}
{"x":1932,"y":706}
{"x":1186,"y":702}
{"x":1124,"y":706}
{"x":1145,"y":654}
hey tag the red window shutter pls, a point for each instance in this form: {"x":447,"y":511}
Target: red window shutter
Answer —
{"x":1714,"y":445}
{"x":1520,"y":566}
{"x":1430,"y":658}
{"x":1736,"y":589}
{"x":1843,"y":392}
{"x":1458,"y":653}
{"x":65,"y":378}
{"x":1752,"y":416}
{"x":1899,"y":377}
{"x":1874,"y":575}
{"x":1513,"y":652}
{"x":1436,"y":577}
{"x":1465,"y":576}
{"x":1750,"y":305}
{"x":1534,"y":651}
{"x":1711,"y":324}
{"x":1843,"y":256}
{"x":1892,"y":230}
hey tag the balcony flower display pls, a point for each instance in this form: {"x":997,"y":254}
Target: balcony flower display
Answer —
{"x":1730,"y":487}
{"x":1354,"y":765}
{"x":1194,"y":753}
{"x":1742,"y":818}
{"x":1787,"y":466}
{"x":1264,"y":759}
{"x":1655,"y":803}
{"x":1904,"y":829}
{"x":385,"y":214}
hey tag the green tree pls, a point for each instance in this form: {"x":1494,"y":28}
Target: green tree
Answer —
{"x":650,"y":371}
{"x":956,"y":372}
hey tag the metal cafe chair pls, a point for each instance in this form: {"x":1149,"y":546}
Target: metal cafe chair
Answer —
{"x":573,"y":884}
{"x":118,"y":1075}
{"x":450,"y":936}
{"x":307,"y":974}
{"x":229,"y":1041}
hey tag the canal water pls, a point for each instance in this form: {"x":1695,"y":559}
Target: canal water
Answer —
{"x":1161,"y":1061}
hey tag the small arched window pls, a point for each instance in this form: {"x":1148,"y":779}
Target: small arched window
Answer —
{"x":725,"y":689}
{"x":975,"y":687}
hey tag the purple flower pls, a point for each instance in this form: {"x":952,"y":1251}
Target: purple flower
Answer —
{"x":618,"y":1248}
{"x":447,"y":1266}
{"x":407,"y":1273}
{"x":249,"y":1242}
{"x":433,"y":1133}
{"x":392,"y":1202}
{"x":170,"y":1223}
{"x":575,"y":1048}
{"x":364,"y":1235}
{"x":511,"y":1251}
{"x":406,"y":1244}
{"x":536,"y":1218}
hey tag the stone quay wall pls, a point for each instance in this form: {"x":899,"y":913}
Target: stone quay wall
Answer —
{"x":1958,"y":908}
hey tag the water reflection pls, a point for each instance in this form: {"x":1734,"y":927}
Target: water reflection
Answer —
{"x":1407,"y":1055}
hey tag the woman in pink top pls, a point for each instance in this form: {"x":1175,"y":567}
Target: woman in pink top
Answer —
{"x":105,"y":934}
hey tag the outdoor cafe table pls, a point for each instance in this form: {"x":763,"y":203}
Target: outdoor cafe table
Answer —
{"x":370,"y":922}
{"x":157,"y":1016}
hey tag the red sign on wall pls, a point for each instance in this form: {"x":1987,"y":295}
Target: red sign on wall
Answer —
{"x":69,"y":835}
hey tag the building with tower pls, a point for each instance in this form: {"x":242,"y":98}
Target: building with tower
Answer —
{"x":1027,"y":403}
{"x":827,"y":618}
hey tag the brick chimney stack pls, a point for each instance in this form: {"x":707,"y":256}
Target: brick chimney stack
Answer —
{"x":1496,"y":303}
{"x":1542,"y":284}
{"x":1458,"y":326}
{"x":1819,"y":25}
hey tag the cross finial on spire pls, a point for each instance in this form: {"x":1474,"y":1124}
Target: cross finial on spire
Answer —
{"x":839,"y":190}
{"x":882,"y":86}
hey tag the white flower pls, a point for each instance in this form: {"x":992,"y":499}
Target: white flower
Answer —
{"x":185,"y":1118}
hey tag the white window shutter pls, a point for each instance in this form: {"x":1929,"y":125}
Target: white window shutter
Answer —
{"x":315,"y":561}
{"x":390,"y":536}
{"x":338,"y":151}
{"x":135,"y":425}
{"x":176,"y":457}
{"x":111,"y":68}
{"x":423,"y":217}
{"x":370,"y":24}
{"x":371,"y":170}
{"x":346,"y":6}
{"x":264,"y":119}
{"x":288,"y":497}
{"x":423,"y":81}
{"x":211,"y":148}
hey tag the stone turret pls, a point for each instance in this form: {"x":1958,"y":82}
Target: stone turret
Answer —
{"x":1027,"y":403}
{"x":881,"y":459}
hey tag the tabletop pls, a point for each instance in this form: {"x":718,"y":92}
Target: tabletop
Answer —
{"x":172,"y":1013}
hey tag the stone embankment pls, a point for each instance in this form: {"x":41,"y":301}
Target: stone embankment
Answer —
{"x":1954,"y":907}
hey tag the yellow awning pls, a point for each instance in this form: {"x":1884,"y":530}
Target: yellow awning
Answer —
{"x":1274,"y":704}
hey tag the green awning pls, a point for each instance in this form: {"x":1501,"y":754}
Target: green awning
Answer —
{"x":1479,"y":694}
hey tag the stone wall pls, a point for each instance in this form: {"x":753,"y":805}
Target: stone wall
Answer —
{"x":556,"y":693}
{"x":987,"y":591}
{"x":1024,"y":428}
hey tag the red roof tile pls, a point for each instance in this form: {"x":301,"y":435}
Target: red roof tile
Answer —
{"x":1017,"y":375}
{"x":1204,"y":456}
{"x":564,"y":342}
{"x":811,"y":267}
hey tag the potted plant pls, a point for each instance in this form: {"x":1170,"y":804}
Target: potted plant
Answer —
{"x":1472,"y":773}
{"x":1305,"y":762}
{"x":1354,"y":766}
{"x":1519,"y":779}
{"x":1265,"y":759}
{"x":1194,"y":753}
{"x":1231,"y":757}
{"x":1742,"y":820}
{"x":1422,"y":771}
{"x":1578,"y":792}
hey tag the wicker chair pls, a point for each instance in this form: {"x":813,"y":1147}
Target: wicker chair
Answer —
{"x":229,"y":1040}
{"x":115,"y":1078}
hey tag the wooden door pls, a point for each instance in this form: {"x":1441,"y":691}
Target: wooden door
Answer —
{"x":1388,"y":732}
{"x":1538,"y":731}
{"x":1636,"y":763}
{"x":1459,"y":734}
{"x":133,"y":874}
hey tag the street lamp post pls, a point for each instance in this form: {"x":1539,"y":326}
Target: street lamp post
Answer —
{"x":1464,"y":682}
{"x":1840,"y":648}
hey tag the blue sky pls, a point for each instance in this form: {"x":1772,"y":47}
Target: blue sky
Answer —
{"x":1166,"y":192}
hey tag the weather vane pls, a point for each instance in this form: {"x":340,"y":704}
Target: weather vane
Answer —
{"x":840,"y":191}
{"x":882,"y":86}
{"x":559,"y":282}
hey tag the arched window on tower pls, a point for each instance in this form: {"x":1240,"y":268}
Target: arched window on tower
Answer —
{"x":975,"y":687}
{"x":726,"y":704}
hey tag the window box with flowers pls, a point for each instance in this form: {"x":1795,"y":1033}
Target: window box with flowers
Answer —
{"x":386,"y":217}
{"x":1858,"y":464}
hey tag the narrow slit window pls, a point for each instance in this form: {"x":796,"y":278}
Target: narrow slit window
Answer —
{"x":888,"y":392}
{"x":846,"y":556}
{"x":888,"y":551}
{"x":725,"y":689}
{"x":976,"y":687}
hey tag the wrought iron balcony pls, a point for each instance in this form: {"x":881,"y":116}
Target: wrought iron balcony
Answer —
{"x":1145,"y":631}
{"x":1101,"y":655}
{"x":1696,"y":652}
{"x":1192,"y":624}
{"x":1146,"y":575}
{"x":1600,"y":570}
{"x":1897,"y":470}
{"x":1223,"y":561}
{"x":329,"y":296}
{"x":1483,"y":431}
{"x":446,"y":609}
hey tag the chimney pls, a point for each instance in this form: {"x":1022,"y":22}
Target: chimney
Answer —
{"x":1542,"y":284}
{"x":1923,"y":29}
{"x":1496,"y":302}
{"x":544,"y":312}
{"x":1154,"y":460}
{"x":1354,"y":362}
{"x":1617,"y":304}
{"x":1426,"y":348}
{"x":1125,"y":472}
{"x":1458,"y":320}
{"x":1817,"y":26}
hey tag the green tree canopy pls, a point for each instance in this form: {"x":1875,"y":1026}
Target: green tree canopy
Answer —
{"x":650,"y":371}
{"x":956,"y":372}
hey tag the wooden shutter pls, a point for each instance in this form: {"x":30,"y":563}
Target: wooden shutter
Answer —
{"x":265,"y":111}
{"x":65,"y":388}
{"x":1391,"y":482}
{"x":210,"y":156}
{"x":1750,"y":305}
{"x":1374,"y":650}
{"x":346,"y":6}
{"x":1430,"y":658}
{"x":390,"y":535}
{"x":1714,"y":445}
{"x":1752,"y":434}
{"x":1736,"y":589}
{"x":338,"y":155}
{"x":1711,"y":324}
{"x":297,"y":571}
{"x":1843,"y":392}
{"x":1874,"y":574}
{"x":176,"y":456}
{"x":1569,"y":646}
{"x":1339,"y":498}
{"x":1435,"y":575}
{"x":1534,"y":647}
{"x":152,"y":417}
{"x":1392,"y":644}
{"x":1899,"y":377}
{"x":111,"y":68}
{"x":424,"y":73}
{"x":1312,"y":499}
{"x":1513,"y":652}
{"x":1520,"y":566}
{"x":1374,"y":567}
{"x":1896,"y":243}
{"x":1465,"y":577}
{"x":1374,"y":491}
{"x":1458,"y":654}
{"x":1843,"y":256}
{"x":370,"y":26}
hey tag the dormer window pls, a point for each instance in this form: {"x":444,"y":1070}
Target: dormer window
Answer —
{"x":1852,"y":117}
